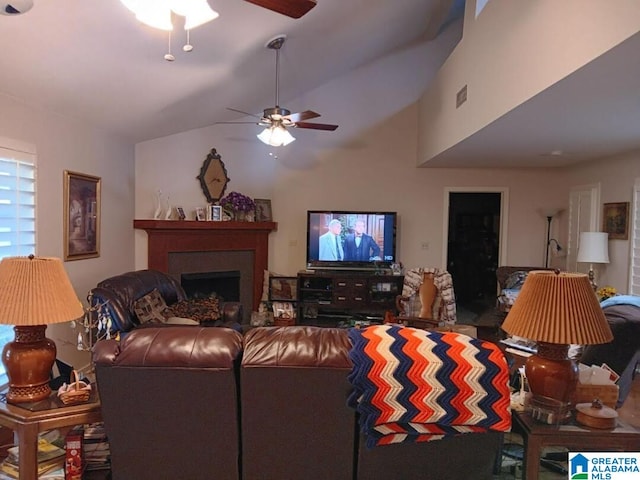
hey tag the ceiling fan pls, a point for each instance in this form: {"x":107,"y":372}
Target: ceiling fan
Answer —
{"x":290,"y":8}
{"x":276,"y":119}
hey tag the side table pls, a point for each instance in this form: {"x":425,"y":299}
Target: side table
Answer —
{"x":29,"y":420}
{"x":575,"y":437}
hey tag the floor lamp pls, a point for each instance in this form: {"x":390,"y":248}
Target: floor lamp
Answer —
{"x":549,"y":214}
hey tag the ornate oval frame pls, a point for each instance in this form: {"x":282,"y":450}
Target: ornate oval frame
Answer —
{"x":213,"y":177}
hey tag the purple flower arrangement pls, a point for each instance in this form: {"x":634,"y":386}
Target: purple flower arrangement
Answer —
{"x":237,"y":202}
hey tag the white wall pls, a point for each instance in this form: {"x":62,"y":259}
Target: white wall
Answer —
{"x":510,"y":53}
{"x":368,"y":163}
{"x":64,"y":143}
{"x":616,"y":176}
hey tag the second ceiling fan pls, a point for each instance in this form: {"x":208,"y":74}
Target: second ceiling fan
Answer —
{"x":276,"y":119}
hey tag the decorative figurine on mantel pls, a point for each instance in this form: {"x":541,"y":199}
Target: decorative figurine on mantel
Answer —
{"x":169,"y":214}
{"x":158,"y":213}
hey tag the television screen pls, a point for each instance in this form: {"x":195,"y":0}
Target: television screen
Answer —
{"x":348,"y":239}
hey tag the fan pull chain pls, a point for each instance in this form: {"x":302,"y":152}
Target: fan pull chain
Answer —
{"x":187,"y":47}
{"x":169,"y":56}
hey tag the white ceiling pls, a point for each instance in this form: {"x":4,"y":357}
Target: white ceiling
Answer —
{"x":93,"y":61}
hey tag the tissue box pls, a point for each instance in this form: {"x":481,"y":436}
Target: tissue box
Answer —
{"x":608,"y":394}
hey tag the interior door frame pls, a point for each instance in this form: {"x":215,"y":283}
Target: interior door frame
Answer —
{"x":504,"y":219}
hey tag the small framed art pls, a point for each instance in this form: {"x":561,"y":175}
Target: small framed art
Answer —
{"x":180,"y":212}
{"x":615,"y":220}
{"x":200,"y":214}
{"x":263,"y":210}
{"x":282,"y":288}
{"x":81,"y":216}
{"x":214,"y":213}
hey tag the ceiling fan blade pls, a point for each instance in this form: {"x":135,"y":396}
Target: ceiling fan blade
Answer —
{"x":290,"y":8}
{"x":301,"y":116}
{"x":234,"y":123}
{"x":244,"y":113}
{"x":316,"y":126}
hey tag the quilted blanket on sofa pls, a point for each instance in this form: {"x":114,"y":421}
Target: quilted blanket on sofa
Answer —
{"x":412,"y":385}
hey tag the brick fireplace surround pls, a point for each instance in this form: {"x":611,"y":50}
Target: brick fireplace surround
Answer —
{"x":174,"y":245}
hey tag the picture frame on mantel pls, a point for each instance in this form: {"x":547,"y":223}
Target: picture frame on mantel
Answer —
{"x":615,"y":220}
{"x":81,"y":207}
{"x":263,"y":210}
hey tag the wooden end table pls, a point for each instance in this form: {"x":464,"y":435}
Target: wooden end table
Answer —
{"x":575,"y":437}
{"x":29,"y":420}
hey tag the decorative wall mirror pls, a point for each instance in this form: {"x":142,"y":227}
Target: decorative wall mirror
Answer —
{"x":213,"y":177}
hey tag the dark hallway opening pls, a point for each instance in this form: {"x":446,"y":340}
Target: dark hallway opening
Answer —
{"x":473,"y":248}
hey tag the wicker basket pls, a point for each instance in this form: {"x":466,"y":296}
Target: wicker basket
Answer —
{"x":76,"y":392}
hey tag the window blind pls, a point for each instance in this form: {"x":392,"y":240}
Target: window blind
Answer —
{"x":17,"y":211}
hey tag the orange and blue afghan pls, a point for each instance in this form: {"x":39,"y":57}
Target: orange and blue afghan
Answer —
{"x":412,"y":385}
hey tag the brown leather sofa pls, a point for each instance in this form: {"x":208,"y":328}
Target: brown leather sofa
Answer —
{"x":179,"y":403}
{"x":121,"y":292}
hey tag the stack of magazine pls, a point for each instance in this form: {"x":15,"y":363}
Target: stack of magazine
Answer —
{"x":50,"y":462}
{"x":97,"y":455}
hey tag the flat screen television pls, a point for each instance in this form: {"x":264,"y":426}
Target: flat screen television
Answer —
{"x":343,"y":239}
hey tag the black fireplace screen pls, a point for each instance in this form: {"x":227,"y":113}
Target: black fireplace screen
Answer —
{"x":224,"y":285}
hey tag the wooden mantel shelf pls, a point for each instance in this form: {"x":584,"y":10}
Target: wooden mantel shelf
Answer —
{"x":194,"y":225}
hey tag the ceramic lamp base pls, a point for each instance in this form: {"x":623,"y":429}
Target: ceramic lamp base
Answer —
{"x":552,"y":376}
{"x":28,"y":360}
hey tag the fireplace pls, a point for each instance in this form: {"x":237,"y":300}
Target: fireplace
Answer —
{"x":183,"y":246}
{"x":223,"y":285}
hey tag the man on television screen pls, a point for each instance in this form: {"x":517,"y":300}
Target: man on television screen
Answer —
{"x":330,"y":243}
{"x":359,"y":246}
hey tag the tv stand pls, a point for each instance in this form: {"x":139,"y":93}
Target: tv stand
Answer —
{"x":330,"y":297}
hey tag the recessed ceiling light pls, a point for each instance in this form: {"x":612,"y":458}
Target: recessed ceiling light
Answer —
{"x":557,"y":153}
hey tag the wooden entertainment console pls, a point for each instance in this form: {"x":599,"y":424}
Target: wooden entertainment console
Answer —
{"x":328,"y":297}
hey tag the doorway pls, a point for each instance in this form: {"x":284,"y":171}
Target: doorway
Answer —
{"x":474,"y":238}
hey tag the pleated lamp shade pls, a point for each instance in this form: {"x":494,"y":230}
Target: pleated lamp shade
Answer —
{"x":34,"y":292}
{"x":558,"y":307}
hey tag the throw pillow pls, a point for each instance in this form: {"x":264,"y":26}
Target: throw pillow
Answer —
{"x":515,"y":280}
{"x":151,"y":308}
{"x":200,"y":309}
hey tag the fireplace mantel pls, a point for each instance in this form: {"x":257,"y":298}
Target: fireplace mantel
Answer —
{"x":168,"y":236}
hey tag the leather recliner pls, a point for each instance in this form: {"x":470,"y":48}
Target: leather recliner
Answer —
{"x":170,"y":402}
{"x":295,"y":420}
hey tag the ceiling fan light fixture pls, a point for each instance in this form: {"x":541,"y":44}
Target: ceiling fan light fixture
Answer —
{"x":276,"y":136}
{"x":196,"y":12}
{"x":157,"y":13}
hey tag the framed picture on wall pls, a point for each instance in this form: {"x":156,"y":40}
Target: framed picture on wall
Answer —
{"x":615,"y":220}
{"x":81,"y":206}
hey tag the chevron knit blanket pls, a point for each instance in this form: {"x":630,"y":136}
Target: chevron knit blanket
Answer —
{"x":412,"y":385}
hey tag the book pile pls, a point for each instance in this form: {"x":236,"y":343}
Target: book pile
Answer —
{"x":50,"y":462}
{"x":97,"y":455}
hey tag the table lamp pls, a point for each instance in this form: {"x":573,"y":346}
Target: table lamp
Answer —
{"x":593,"y":247}
{"x":34,"y":292}
{"x":556,"y":309}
